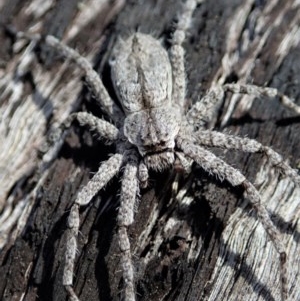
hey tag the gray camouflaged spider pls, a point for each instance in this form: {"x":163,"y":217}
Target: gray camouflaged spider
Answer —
{"x":152,"y":130}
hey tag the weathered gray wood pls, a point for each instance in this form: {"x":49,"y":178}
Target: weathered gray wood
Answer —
{"x":213,"y":249}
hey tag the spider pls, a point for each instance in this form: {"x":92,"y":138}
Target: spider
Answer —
{"x":152,"y":130}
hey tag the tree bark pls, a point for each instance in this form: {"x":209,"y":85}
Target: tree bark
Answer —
{"x":206,"y":244}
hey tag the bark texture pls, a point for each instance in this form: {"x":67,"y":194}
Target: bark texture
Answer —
{"x":207,"y":246}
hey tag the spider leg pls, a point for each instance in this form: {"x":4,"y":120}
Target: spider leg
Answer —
{"x":202,"y":112}
{"x":177,"y":52}
{"x":182,"y":166}
{"x":106,"y":172}
{"x":217,"y":139}
{"x":129,"y":191}
{"x":143,"y":175}
{"x":185,"y":162}
{"x":214,"y":165}
{"x":104,"y":130}
{"x":262,"y":91}
{"x":92,"y":77}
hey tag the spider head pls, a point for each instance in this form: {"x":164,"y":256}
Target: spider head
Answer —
{"x":153,"y":132}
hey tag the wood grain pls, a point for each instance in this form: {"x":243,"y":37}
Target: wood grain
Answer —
{"x":209,"y":245}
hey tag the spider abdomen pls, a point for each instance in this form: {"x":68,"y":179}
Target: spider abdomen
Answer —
{"x":141,"y":73}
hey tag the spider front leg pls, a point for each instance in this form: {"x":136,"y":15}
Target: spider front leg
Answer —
{"x":143,"y":175}
{"x":129,"y":191}
{"x":217,"y":139}
{"x":106,"y":172}
{"x":214,"y":165}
